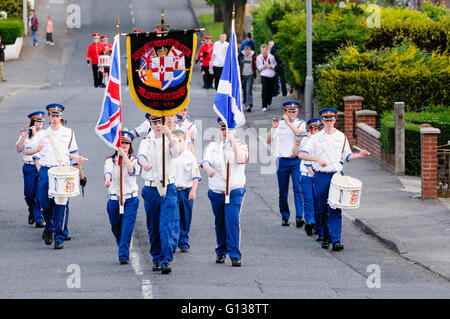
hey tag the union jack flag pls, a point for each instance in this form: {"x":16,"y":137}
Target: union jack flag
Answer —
{"x":109,"y":124}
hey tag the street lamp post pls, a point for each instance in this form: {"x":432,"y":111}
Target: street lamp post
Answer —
{"x":25,"y":17}
{"x":309,"y":82}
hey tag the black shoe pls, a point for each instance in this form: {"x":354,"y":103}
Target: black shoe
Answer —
{"x":123,"y":261}
{"x":30,"y":220}
{"x":309,"y":229}
{"x":156,"y":267}
{"x":47,"y":237}
{"x":235,"y":262}
{"x":220,"y":259}
{"x":39,"y":225}
{"x":325,"y":244}
{"x":165,"y":268}
{"x":184,"y":250}
{"x":101,"y":85}
{"x":285,"y":222}
{"x":337,"y":246}
{"x":58,"y":245}
{"x":299,"y":222}
{"x":67,"y":237}
{"x":320,"y":238}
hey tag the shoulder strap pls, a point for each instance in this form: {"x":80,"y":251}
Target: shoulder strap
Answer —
{"x":343,"y":147}
{"x":71,"y":138}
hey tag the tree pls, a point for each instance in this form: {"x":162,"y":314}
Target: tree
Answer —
{"x":227,"y":10}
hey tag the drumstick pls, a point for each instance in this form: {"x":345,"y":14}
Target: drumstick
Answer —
{"x":360,"y":149}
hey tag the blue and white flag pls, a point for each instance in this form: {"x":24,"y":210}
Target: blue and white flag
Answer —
{"x":228,"y":102}
{"x":109,"y":124}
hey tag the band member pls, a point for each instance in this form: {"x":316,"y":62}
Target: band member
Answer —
{"x":94,"y":51}
{"x":328,"y":148}
{"x":226,"y":215}
{"x":57,"y":146}
{"x":283,"y":135}
{"x":122,"y":225}
{"x":143,"y":129}
{"x":205,"y":54}
{"x":186,"y":182}
{"x":307,"y":179}
{"x":108,"y":46}
{"x":29,"y":169}
{"x":186,"y":124}
{"x":159,"y":201}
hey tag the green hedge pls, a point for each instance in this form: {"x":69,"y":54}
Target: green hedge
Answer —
{"x":438,"y":117}
{"x":13,"y":8}
{"x":10,"y":29}
{"x":334,"y":27}
{"x":385,"y":76}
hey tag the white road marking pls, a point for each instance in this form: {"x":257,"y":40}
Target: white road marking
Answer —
{"x":146,"y":284}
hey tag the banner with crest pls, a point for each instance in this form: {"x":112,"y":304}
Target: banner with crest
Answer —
{"x":160,"y":69}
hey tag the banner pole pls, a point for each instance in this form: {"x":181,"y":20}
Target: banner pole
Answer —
{"x":120,"y":161}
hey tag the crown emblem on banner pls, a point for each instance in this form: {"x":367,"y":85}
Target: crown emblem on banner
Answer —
{"x":162,"y":51}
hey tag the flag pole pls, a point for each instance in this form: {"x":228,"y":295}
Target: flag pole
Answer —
{"x":227,"y":160}
{"x":120,"y":161}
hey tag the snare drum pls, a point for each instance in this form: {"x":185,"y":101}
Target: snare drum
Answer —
{"x":345,"y":192}
{"x":103,"y":60}
{"x":63,"y":182}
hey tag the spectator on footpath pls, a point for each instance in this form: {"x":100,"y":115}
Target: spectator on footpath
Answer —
{"x":33,"y":24}
{"x":2,"y":59}
{"x":247,"y":65}
{"x":247,"y":42}
{"x":265,"y":63}
{"x":218,"y":58}
{"x":280,"y":80}
{"x":205,"y":54}
{"x":49,"y":34}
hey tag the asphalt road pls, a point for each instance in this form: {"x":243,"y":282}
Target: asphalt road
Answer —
{"x":278,"y":262}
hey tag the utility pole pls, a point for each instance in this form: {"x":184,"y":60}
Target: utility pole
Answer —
{"x":309,"y":82}
{"x":25,"y":17}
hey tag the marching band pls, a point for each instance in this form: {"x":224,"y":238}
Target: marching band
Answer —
{"x":308,"y":153}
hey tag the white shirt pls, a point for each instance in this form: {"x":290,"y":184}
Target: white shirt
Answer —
{"x":65,"y":142}
{"x":214,"y":155}
{"x":219,"y":53}
{"x":186,"y":169}
{"x":331,"y":148}
{"x":260,"y":62}
{"x":26,"y":146}
{"x":304,"y":164}
{"x":129,"y":180}
{"x":151,"y":144}
{"x":143,"y":129}
{"x":188,"y":126}
{"x":284,"y":138}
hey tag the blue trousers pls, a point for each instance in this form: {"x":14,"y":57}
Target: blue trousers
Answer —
{"x":30,"y":179}
{"x":51,"y":210}
{"x":228,"y":229}
{"x":289,"y":168}
{"x":160,"y":213}
{"x":307,"y":190}
{"x":33,"y":35}
{"x":185,"y":213}
{"x":330,"y":219}
{"x":122,"y":225}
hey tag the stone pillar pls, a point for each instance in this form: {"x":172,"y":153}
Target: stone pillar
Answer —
{"x":399,"y":120}
{"x":368,"y":117}
{"x":429,"y":161}
{"x":351,"y":104}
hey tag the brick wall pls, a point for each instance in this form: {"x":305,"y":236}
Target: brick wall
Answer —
{"x":368,"y":138}
{"x":428,"y":157}
{"x":351,"y":104}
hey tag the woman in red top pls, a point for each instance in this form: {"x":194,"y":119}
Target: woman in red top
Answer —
{"x":205,"y":53}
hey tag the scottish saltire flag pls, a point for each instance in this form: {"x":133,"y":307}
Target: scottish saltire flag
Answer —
{"x":228,"y":104}
{"x":109,"y":124}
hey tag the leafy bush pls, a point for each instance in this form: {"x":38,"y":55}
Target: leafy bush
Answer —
{"x":10,"y":29}
{"x":438,"y":117}
{"x":385,"y":76}
{"x":13,"y":8}
{"x":427,"y":30}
